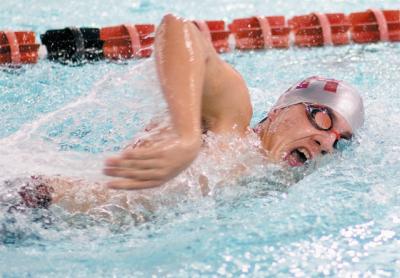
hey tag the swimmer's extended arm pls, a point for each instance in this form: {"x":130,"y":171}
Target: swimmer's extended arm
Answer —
{"x":180,"y":58}
{"x":198,"y":86}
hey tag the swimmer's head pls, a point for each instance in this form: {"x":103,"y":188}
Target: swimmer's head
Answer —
{"x":310,"y":118}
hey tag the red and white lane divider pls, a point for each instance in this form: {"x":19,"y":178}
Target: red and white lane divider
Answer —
{"x":318,"y":29}
{"x":259,"y":32}
{"x":18,"y":47}
{"x":127,"y":41}
{"x":375,"y":25}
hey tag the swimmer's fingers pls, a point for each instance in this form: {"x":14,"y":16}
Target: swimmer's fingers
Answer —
{"x":133,"y":163}
{"x":141,"y":154}
{"x":155,"y":151}
{"x":130,"y":184}
{"x":151,"y":166}
{"x":139,"y":175}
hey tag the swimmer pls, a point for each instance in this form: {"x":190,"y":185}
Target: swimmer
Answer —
{"x":204,"y":93}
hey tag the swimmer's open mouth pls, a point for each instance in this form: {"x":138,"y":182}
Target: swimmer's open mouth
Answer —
{"x":298,"y":157}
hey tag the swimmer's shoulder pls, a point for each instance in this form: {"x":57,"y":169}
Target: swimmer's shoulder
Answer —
{"x":225,"y":98}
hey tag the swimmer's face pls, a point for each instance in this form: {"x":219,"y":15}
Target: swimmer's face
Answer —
{"x":292,"y":136}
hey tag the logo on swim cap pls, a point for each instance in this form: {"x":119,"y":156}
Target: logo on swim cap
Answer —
{"x":337,"y":95}
{"x":331,"y":86}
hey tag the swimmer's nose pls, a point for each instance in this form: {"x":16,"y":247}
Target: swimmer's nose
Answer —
{"x":326,"y":141}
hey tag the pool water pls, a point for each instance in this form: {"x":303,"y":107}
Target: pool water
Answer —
{"x":341,"y":218}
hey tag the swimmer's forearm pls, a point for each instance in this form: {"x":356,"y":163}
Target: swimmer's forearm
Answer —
{"x":181,"y":62}
{"x":180,"y":56}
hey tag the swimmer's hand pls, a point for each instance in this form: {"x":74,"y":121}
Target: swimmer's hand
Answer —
{"x":151,"y":165}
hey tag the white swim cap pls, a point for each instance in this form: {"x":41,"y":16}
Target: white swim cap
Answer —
{"x":337,"y":95}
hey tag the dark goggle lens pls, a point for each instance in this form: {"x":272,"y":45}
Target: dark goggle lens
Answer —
{"x":322,"y":119}
{"x":319,"y":116}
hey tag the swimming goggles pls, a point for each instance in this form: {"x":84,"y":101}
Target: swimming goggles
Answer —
{"x":322,"y":119}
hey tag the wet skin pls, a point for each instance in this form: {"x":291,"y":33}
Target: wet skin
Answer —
{"x":203,"y":92}
{"x":290,"y":129}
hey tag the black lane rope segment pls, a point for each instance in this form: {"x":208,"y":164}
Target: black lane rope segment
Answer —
{"x":73,"y":45}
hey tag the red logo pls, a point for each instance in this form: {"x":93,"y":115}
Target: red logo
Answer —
{"x":303,"y":85}
{"x":331,"y":86}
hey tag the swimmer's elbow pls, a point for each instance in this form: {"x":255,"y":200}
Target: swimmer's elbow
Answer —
{"x":169,"y":17}
{"x":173,"y":23}
{"x":171,"y":31}
{"x":171,"y":20}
